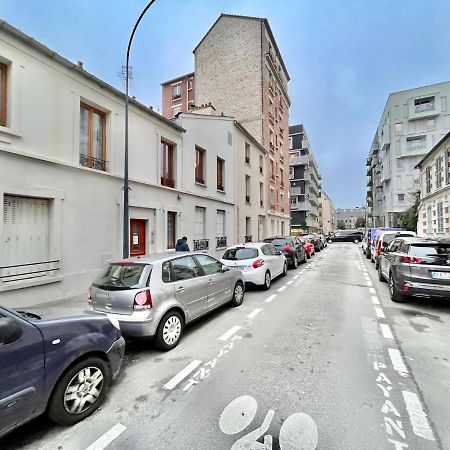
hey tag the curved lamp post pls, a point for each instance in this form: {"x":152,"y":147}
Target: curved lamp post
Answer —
{"x":126,"y":221}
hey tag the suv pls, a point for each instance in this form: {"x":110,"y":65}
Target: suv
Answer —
{"x":291,"y":247}
{"x":383,"y":239}
{"x":61,"y":366}
{"x":416,"y":266}
{"x":346,"y":236}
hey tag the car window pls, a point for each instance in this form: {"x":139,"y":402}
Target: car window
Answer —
{"x":209,"y":264}
{"x":184,"y":268}
{"x":166,"y":272}
{"x":403,"y":247}
{"x":273,"y":250}
{"x":280,"y":242}
{"x":120,"y":277}
{"x":433,"y":250}
{"x":239,"y":253}
{"x":266,"y":250}
{"x":394,"y":245}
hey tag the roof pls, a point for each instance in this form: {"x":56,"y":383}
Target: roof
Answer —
{"x":249,"y":136}
{"x":41,"y":48}
{"x":438,"y":143}
{"x":260,"y":19}
{"x":181,"y":77}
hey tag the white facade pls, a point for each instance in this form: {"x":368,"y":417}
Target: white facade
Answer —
{"x":433,"y":214}
{"x":412,"y":122}
{"x":62,"y":221}
{"x":328,"y":214}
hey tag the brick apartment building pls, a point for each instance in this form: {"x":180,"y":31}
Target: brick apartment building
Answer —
{"x":178,"y":95}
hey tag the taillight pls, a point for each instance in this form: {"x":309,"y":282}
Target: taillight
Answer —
{"x":411,"y":259}
{"x":379,"y":248}
{"x":143,"y":300}
{"x":287,"y":248}
{"x":258,"y":263}
{"x":89,"y":295}
{"x":406,"y":287}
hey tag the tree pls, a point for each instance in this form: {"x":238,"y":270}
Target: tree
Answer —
{"x":408,"y":219}
{"x":341,"y":225}
{"x":360,"y":222}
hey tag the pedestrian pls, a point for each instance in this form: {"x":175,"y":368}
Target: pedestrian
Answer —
{"x":182,"y":245}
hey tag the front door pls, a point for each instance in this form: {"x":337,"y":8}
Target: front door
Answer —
{"x":137,"y":237}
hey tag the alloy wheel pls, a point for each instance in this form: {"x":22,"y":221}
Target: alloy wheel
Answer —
{"x":171,"y":330}
{"x":267,"y":280}
{"x":238,"y":294}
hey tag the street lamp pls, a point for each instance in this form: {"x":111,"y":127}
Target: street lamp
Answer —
{"x":126,"y":221}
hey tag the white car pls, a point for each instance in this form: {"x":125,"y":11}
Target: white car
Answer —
{"x":259,"y":262}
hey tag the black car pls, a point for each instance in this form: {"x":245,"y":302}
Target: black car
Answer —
{"x":59,"y":366}
{"x":315,"y":240}
{"x":346,"y":236}
{"x":291,"y":247}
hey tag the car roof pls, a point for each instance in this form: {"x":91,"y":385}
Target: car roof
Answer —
{"x":249,"y":245}
{"x":156,"y":257}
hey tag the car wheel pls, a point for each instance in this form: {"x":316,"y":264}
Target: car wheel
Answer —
{"x":376,"y":264}
{"x":308,"y":255}
{"x":380,"y":275}
{"x":304,"y":258}
{"x":267,"y":281}
{"x":367,"y":255}
{"x":284,"y":273}
{"x":169,"y":331}
{"x":295,"y":262}
{"x":356,"y":241}
{"x":330,"y":241}
{"x":80,"y":391}
{"x":396,"y":296}
{"x":238,"y":294}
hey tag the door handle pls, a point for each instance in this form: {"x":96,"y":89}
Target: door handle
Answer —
{"x":180,"y":289}
{"x":210,"y":281}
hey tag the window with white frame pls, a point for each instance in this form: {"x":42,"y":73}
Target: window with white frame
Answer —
{"x":247,"y":189}
{"x":220,"y":223}
{"x":176,"y":91}
{"x":190,"y":83}
{"x":439,"y":170}
{"x":417,"y":143}
{"x":261,"y":165}
{"x":428,"y":180}
{"x":176,"y":110}
{"x":247,"y":153}
{"x":291,"y":142}
{"x":440,"y":217}
{"x":424,"y":104}
{"x":429,"y":220}
{"x":3,"y":93}
{"x":200,"y":214}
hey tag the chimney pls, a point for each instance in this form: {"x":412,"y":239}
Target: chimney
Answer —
{"x":80,"y":64}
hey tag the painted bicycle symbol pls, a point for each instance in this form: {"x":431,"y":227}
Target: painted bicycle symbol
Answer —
{"x":298,"y":432}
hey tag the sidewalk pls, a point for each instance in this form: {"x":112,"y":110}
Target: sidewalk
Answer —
{"x":72,"y":306}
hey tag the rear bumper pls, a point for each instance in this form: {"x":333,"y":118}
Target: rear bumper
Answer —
{"x":255,"y":276}
{"x":428,"y":290}
{"x":115,"y":356}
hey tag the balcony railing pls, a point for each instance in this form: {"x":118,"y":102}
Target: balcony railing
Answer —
{"x":261,"y":203}
{"x":272,"y":177}
{"x":167,"y":182}
{"x":248,"y":238}
{"x":201,"y":244}
{"x":272,"y":147}
{"x":220,"y":187}
{"x":93,"y":163}
{"x":221,"y":241}
{"x":176,"y":97}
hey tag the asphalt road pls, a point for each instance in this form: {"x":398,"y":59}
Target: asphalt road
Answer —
{"x":323,"y":360}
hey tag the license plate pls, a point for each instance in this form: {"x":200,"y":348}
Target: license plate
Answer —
{"x":440,"y":274}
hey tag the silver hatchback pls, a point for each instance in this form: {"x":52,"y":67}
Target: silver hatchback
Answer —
{"x":156,"y":295}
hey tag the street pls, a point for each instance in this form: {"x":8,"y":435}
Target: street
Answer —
{"x":322,"y":360}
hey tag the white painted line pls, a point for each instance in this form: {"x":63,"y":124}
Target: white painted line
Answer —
{"x":372,"y":290}
{"x":229,"y":333}
{"x":375,"y":300}
{"x":253,"y":313}
{"x":386,"y":330}
{"x":296,"y":276}
{"x":108,"y":437}
{"x":289,"y":282}
{"x":397,"y":360}
{"x":180,"y":376}
{"x":269,"y":299}
{"x":369,"y":283}
{"x":281,"y":289}
{"x":380,"y":313}
{"x":419,"y":420}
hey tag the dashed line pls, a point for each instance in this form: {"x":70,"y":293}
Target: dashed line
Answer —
{"x":296,"y":276}
{"x":180,"y":376}
{"x":289,"y":282}
{"x":380,"y":313}
{"x":281,"y":289}
{"x":229,"y":333}
{"x":375,"y":300}
{"x":386,"y":330}
{"x":372,"y":290}
{"x":106,"y":438}
{"x":254,"y":313}
{"x":397,"y":360}
{"x":270,"y":298}
{"x":419,"y":420}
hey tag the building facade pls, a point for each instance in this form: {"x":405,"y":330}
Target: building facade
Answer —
{"x":347,"y":218}
{"x":61,"y":177}
{"x":239,"y":69}
{"x":412,"y":122}
{"x":178,"y":95}
{"x":305,"y":183}
{"x":433,"y":214}
{"x":328,"y":214}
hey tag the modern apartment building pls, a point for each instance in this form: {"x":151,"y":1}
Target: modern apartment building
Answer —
{"x":305,"y":183}
{"x":178,"y":95}
{"x":240,"y":71}
{"x":433,"y":215}
{"x":328,"y":214}
{"x":413,"y":121}
{"x":348,"y":217}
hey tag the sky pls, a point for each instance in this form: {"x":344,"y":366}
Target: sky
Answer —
{"x":344,"y":57}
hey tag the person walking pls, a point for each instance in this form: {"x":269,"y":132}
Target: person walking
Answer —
{"x":182,"y":245}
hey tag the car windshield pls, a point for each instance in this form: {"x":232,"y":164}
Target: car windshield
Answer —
{"x":240,"y":253}
{"x":120,"y":277}
{"x":436,"y":250}
{"x":280,"y":242}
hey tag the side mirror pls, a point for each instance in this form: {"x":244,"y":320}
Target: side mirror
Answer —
{"x":225,"y":268}
{"x":10,"y":331}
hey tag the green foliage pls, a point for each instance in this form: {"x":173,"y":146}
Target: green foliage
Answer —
{"x":360,"y":222}
{"x":341,"y":225}
{"x":408,"y":219}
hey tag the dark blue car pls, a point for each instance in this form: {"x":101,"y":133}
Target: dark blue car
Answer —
{"x":60,"y":366}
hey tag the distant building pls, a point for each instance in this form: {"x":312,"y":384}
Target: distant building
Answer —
{"x":433,"y":214}
{"x":328,"y":214}
{"x":349,"y":216}
{"x":305,"y":183}
{"x":413,"y":121}
{"x":178,"y":95}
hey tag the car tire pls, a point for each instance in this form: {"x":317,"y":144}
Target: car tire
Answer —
{"x":380,"y":275}
{"x":169,"y":331}
{"x":308,"y":256}
{"x":238,"y":294}
{"x":356,"y":241}
{"x":285,"y":269}
{"x":376,"y":264}
{"x":305,"y":258}
{"x":267,"y":281}
{"x":330,"y":241}
{"x":63,"y":409}
{"x":295,"y":262}
{"x":367,"y":255}
{"x":396,"y":296}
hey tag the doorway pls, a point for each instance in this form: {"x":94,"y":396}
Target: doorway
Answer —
{"x":137,"y":237}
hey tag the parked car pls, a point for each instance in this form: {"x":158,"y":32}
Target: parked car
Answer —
{"x":315,"y":240}
{"x":60,"y":366}
{"x":383,"y":239}
{"x":346,"y":236}
{"x":258,"y":262}
{"x":309,"y":247}
{"x":366,"y":242}
{"x":373,"y":237}
{"x":291,"y":247}
{"x":323,"y":240}
{"x":155,"y":296}
{"x":418,"y":267}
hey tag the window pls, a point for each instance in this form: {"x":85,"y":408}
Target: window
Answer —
{"x":209,"y":264}
{"x":167,"y":164}
{"x":424,"y":104}
{"x":171,"y":228}
{"x":248,"y":228}
{"x":220,"y":175}
{"x":261,"y":165}
{"x":416,"y":143}
{"x":398,"y":129}
{"x":429,"y":220}
{"x":220,"y":223}
{"x":166,"y":272}
{"x":272,"y":199}
{"x":428,"y":179}
{"x":190,"y":83}
{"x":92,"y":138}
{"x":3,"y":93}
{"x":431,"y":124}
{"x":282,"y":204}
{"x":184,"y":268}
{"x":199,"y":230}
{"x":281,"y":177}
{"x":261,"y":194}
{"x":272,"y":169}
{"x":440,"y":217}
{"x":247,"y":153}
{"x":247,"y":189}
{"x":281,"y":149}
{"x":401,"y":197}
{"x":439,"y":177}
{"x":271,"y":139}
{"x":176,"y":91}
{"x":291,"y":172}
{"x":291,"y":145}
{"x":175,"y":111}
{"x":200,"y":165}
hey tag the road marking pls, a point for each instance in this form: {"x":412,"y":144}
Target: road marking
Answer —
{"x":289,"y":282}
{"x":108,"y":437}
{"x":397,"y":360}
{"x":296,"y":276}
{"x":281,"y":289}
{"x":229,"y":333}
{"x":380,"y":313}
{"x":180,"y":376}
{"x":269,"y":299}
{"x":369,"y":283}
{"x":375,"y":300}
{"x":385,"y":329}
{"x":417,"y":416}
{"x":253,"y":313}
{"x":372,"y":290}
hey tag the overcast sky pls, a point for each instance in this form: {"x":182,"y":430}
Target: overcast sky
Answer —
{"x":344,"y":58}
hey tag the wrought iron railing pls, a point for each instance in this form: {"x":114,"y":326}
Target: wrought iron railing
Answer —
{"x":93,"y":163}
{"x":201,"y":244}
{"x":221,"y":241}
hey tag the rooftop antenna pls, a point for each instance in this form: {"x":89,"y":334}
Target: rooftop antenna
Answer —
{"x":123,"y":75}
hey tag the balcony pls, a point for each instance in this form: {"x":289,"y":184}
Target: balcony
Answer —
{"x":369,"y":182}
{"x":201,"y":244}
{"x":272,"y":177}
{"x":93,"y":163}
{"x":221,"y":241}
{"x":369,"y":171}
{"x":271,"y":146}
{"x":368,"y":162}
